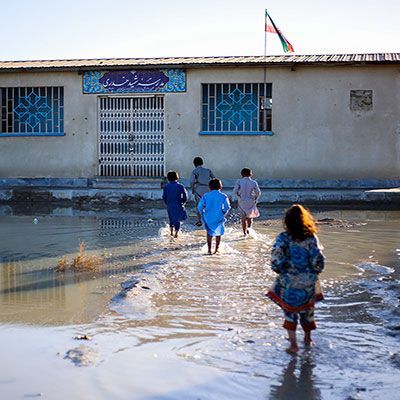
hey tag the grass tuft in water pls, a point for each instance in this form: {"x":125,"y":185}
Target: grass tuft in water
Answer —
{"x":81,"y":262}
{"x":62,"y":264}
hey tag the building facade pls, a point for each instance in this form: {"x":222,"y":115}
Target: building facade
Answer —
{"x":324,"y":118}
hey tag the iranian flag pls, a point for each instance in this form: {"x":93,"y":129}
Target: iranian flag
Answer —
{"x":272,"y":28}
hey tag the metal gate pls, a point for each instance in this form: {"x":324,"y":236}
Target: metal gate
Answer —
{"x":131,"y":136}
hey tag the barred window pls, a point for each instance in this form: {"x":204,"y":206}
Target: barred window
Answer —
{"x":236,"y":107}
{"x":32,"y":111}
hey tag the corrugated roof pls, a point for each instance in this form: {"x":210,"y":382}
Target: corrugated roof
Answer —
{"x":200,"y":61}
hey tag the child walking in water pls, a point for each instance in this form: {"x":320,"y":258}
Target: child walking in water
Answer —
{"x":297,"y":259}
{"x":212,"y":207}
{"x":199,"y":180}
{"x":175,"y":197}
{"x":248,"y":192}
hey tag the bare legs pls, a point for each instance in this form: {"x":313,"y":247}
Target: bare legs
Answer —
{"x":294,"y":348}
{"x":198,"y":223}
{"x":307,"y":338}
{"x":307,"y":323}
{"x":174,"y":229}
{"x":209,"y":243}
{"x":217,"y":243}
{"x":246,"y":224}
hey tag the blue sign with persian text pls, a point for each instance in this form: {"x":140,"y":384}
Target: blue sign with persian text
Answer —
{"x":135,"y":81}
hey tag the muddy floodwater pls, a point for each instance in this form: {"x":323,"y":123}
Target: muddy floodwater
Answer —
{"x":160,"y":319}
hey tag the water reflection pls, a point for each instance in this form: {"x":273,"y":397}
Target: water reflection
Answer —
{"x":208,"y":313}
{"x":16,"y":284}
{"x":297,"y":384}
{"x":127,"y":228}
{"x":132,"y":243}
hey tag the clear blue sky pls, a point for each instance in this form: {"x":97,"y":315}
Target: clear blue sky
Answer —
{"x":61,"y":29}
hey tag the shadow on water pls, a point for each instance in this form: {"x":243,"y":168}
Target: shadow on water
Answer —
{"x":297,"y":380}
{"x":46,"y":279}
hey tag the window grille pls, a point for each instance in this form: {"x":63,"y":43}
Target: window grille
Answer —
{"x":236,"y":107}
{"x":32,"y":111}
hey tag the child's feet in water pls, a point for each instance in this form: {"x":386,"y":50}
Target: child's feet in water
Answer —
{"x":209,"y":253}
{"x":308,"y":343}
{"x":307,"y":340}
{"x":216,"y":252}
{"x":292,"y":350}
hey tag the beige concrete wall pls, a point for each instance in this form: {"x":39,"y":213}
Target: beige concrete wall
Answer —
{"x":316,"y":135}
{"x":71,"y":156}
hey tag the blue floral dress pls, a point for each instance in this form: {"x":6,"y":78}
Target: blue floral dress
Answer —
{"x":298,"y":264}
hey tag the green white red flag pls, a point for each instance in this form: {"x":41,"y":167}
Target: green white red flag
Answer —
{"x":272,"y":28}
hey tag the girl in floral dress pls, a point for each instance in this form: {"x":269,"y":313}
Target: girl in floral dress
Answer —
{"x":297,"y":259}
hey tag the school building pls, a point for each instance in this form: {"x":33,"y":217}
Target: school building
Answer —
{"x":300,"y":122}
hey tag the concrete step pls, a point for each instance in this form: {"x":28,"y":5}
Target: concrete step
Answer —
{"x":129,"y":194}
{"x":126,"y":183}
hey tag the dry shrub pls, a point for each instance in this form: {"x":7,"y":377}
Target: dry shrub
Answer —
{"x":84,"y":262}
{"x":81,"y":262}
{"x":62,"y":264}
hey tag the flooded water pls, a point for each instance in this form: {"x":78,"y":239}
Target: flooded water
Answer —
{"x":166,"y":321}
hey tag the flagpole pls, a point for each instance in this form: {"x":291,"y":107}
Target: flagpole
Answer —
{"x":265,"y":35}
{"x":264,"y":99}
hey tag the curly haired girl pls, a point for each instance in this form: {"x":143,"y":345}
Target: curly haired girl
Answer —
{"x":298,"y":260}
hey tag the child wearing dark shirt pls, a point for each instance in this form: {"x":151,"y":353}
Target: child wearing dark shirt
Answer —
{"x":175,"y":197}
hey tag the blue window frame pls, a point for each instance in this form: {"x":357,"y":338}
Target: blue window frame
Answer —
{"x":236,"y":108}
{"x":32,"y":111}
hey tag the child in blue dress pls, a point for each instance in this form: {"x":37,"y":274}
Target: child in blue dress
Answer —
{"x":175,"y":197}
{"x":212,"y":207}
{"x":298,"y":260}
